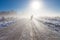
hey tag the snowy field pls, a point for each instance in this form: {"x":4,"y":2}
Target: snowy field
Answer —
{"x":45,"y":28}
{"x":6,"y":22}
{"x":53,"y":23}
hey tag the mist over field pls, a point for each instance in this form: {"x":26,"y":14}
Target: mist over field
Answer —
{"x":29,"y":20}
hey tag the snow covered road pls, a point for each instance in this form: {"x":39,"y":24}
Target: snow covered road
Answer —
{"x":26,"y":29}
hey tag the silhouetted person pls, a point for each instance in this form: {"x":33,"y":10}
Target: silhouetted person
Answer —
{"x":31,"y":17}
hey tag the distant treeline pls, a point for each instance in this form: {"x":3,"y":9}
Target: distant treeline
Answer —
{"x":7,"y":12}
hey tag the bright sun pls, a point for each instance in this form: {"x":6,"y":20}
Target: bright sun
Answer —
{"x":35,"y":5}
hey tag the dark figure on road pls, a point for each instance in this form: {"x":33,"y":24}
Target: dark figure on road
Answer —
{"x":31,"y":17}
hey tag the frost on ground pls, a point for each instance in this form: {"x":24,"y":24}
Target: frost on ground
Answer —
{"x":52,"y":23}
{"x":5,"y":22}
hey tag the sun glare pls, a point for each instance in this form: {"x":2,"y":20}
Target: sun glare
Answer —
{"x":35,"y":5}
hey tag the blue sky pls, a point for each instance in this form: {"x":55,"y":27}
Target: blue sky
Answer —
{"x":6,"y":5}
{"x":13,"y":4}
{"x":52,"y":5}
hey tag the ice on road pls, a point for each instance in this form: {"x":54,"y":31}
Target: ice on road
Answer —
{"x":26,"y":29}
